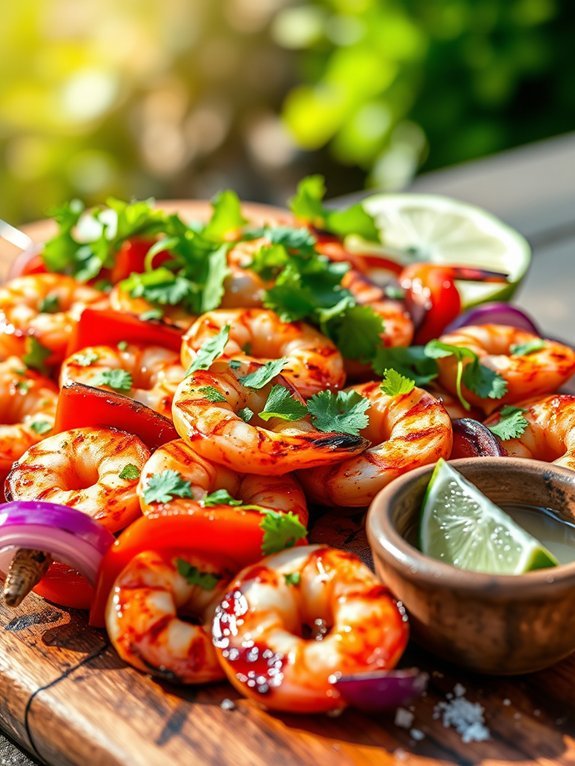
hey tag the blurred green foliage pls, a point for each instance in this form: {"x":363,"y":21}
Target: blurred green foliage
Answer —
{"x":183,"y":97}
{"x":392,"y":84}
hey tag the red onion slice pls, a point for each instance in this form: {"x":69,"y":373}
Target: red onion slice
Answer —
{"x":472,"y":439}
{"x":495,"y":313}
{"x":381,"y":690}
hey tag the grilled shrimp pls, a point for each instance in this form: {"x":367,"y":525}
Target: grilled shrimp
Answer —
{"x":550,"y":431}
{"x":499,"y":347}
{"x":45,"y":307}
{"x":243,"y":288}
{"x":217,"y":431}
{"x":291,"y":624}
{"x":152,"y":373}
{"x":82,"y":468}
{"x":27,"y":410}
{"x":142,"y":615}
{"x":407,"y":431}
{"x":278,"y":493}
{"x":313,"y":361}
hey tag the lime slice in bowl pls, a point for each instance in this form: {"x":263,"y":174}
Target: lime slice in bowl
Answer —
{"x":462,"y":527}
{"x":435,"y":229}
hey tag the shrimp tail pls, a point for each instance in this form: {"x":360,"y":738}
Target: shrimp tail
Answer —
{"x":26,"y":569}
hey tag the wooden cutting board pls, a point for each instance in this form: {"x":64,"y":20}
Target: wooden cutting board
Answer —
{"x":67,"y":697}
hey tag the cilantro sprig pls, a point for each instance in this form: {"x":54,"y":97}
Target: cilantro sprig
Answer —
{"x":119,"y":380}
{"x":511,"y":424}
{"x":344,"y":412}
{"x":396,"y":384}
{"x":281,"y":530}
{"x":209,"y":351}
{"x":219,"y":497}
{"x":165,"y":486}
{"x":194,"y":576}
{"x":282,"y":404}
{"x":264,"y":374}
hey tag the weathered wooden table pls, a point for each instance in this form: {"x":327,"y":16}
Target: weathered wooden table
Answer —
{"x":66,"y":697}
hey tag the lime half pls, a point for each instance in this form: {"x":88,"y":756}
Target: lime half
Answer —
{"x":435,"y":229}
{"x":462,"y":527}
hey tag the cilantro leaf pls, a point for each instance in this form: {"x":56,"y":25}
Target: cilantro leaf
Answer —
{"x":50,"y":304}
{"x":210,"y":351}
{"x":246,"y":414}
{"x":307,"y":205}
{"x":122,"y":345}
{"x":283,"y":241}
{"x":152,"y":314}
{"x":41,"y":427}
{"x":86,"y":358}
{"x":356,"y":331}
{"x":194,"y":576}
{"x":226,"y":217}
{"x":483,"y":381}
{"x":395,"y":384}
{"x":213,"y":287}
{"x":264,"y":374}
{"x":281,"y":530}
{"x":219,"y":497}
{"x":524,"y":349}
{"x":282,"y":404}
{"x":164,"y":486}
{"x":344,"y":412}
{"x":129,"y":471}
{"x":160,"y":286}
{"x":436,"y":349}
{"x":23,"y":386}
{"x":411,"y":362}
{"x":292,"y":578}
{"x":511,"y":423}
{"x":119,"y":380}
{"x":36,"y":354}
{"x":212,"y":394}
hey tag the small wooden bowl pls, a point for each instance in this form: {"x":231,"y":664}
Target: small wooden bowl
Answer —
{"x":500,"y":624}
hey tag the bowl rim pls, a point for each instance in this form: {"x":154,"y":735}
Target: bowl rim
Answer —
{"x":416,"y":566}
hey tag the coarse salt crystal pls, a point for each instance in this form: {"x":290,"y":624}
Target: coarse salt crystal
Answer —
{"x":464,"y":716}
{"x":403,"y":718}
{"x":227,"y":704}
{"x":417,"y":735}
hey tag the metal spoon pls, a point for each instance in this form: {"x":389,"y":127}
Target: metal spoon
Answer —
{"x":14,"y":236}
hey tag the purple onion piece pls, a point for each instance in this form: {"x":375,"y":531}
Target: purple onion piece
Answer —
{"x":495,"y":313}
{"x":381,"y":690}
{"x":472,"y":439}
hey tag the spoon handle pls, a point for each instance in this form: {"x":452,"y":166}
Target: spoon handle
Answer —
{"x":14,"y":236}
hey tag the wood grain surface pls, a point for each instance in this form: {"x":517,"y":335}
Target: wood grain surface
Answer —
{"x":66,"y":696}
{"x":69,"y":699}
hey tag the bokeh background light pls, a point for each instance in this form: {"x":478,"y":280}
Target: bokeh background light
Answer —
{"x":180,"y":98}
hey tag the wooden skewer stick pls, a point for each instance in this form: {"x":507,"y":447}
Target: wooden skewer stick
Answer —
{"x":26,"y":569}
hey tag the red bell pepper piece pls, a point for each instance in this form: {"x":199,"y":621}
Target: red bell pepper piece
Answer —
{"x":65,"y":586}
{"x":81,"y":406}
{"x":108,"y":327}
{"x":131,"y":258}
{"x":219,"y":532}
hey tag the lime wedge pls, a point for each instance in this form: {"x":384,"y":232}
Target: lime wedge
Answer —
{"x":462,"y":527}
{"x":436,"y":229}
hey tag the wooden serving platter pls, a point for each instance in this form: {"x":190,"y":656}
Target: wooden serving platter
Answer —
{"x":66,"y":696}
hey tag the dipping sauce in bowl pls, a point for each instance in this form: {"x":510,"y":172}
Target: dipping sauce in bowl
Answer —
{"x":498,"y":624}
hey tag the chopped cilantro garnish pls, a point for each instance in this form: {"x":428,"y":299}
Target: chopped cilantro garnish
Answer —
{"x":356,"y":331}
{"x":213,"y":287}
{"x":129,"y":471}
{"x":264,"y":374}
{"x":344,"y":412}
{"x":524,"y":349}
{"x":210,"y":351}
{"x":164,"y":486}
{"x":226,"y":217}
{"x":23,"y":386}
{"x":292,"y":578}
{"x":282,"y":404}
{"x":281,"y":530}
{"x":194,"y":576}
{"x":219,"y":497}
{"x":86,"y":358}
{"x":50,"y":304}
{"x":212,"y":394}
{"x":151,"y":315}
{"x":160,"y":286}
{"x":36,"y":354}
{"x":246,"y":414}
{"x":122,"y":345}
{"x":395,"y":384}
{"x":307,"y":205}
{"x":41,"y":427}
{"x":412,"y":362}
{"x":119,"y":380}
{"x":511,"y":423}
